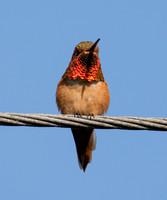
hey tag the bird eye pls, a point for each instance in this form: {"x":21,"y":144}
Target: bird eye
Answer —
{"x":77,"y":53}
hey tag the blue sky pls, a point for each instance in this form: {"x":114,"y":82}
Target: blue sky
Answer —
{"x":37,"y":39}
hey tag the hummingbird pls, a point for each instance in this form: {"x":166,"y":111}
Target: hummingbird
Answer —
{"x":83,"y":90}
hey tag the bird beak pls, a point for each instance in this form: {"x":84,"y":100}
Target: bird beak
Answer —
{"x":94,"y":45}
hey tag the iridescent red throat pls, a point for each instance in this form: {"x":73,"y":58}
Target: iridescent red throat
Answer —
{"x":85,"y":66}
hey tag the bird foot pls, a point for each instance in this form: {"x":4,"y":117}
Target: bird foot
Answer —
{"x":90,"y":116}
{"x":78,"y":115}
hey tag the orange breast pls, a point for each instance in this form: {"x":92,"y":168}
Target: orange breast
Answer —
{"x":81,"y":96}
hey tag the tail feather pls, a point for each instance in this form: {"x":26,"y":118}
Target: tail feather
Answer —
{"x":85,"y":141}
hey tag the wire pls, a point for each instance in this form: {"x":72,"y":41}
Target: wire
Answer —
{"x":69,"y":121}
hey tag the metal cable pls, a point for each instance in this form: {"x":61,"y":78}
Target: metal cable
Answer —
{"x":69,"y":121}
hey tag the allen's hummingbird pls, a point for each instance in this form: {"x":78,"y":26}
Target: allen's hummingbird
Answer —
{"x":82,"y":90}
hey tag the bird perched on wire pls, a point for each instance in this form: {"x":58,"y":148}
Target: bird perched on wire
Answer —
{"x":83,"y":90}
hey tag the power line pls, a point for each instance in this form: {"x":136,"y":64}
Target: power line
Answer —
{"x":69,"y":121}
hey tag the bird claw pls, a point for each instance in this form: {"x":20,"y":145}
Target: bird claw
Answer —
{"x":78,"y":115}
{"x":90,"y":116}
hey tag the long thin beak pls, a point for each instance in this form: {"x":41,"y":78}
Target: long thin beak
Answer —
{"x":93,"y":46}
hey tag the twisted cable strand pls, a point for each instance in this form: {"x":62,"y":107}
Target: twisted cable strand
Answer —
{"x":69,"y":121}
